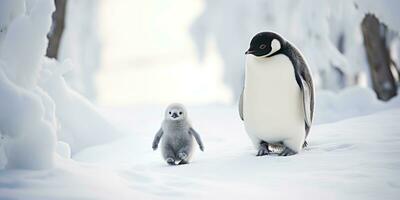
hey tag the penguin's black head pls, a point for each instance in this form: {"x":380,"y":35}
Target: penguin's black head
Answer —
{"x":266,"y":44}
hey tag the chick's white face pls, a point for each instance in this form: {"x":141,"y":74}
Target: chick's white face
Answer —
{"x":175,"y":113}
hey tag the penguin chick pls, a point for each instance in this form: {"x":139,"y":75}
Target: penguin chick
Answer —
{"x":177,"y":136}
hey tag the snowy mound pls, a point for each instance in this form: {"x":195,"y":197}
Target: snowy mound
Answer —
{"x":37,"y":106}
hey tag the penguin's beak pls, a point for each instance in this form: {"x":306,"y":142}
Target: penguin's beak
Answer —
{"x":249,"y":52}
{"x":174,"y":115}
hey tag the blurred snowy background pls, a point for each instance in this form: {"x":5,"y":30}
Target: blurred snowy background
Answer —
{"x":129,"y":52}
{"x":83,"y":89}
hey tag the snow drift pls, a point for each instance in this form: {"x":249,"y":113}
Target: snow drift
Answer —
{"x":80,"y":123}
{"x":29,"y":137}
{"x":27,"y":114}
{"x":37,"y":107}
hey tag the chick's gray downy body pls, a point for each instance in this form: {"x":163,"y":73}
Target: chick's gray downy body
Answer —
{"x":177,"y":136}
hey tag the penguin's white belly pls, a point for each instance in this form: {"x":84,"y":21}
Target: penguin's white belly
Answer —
{"x":272,"y":101}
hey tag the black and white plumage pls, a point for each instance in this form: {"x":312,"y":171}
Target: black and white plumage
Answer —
{"x":177,"y":136}
{"x":277,"y":102}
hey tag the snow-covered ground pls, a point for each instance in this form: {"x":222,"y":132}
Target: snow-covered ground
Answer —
{"x":356,"y":158}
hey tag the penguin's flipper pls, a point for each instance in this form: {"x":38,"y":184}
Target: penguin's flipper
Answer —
{"x":308,"y":96}
{"x":157,"y":139}
{"x":305,"y":81}
{"x":307,"y":102}
{"x":241,"y":106}
{"x":197,"y":137}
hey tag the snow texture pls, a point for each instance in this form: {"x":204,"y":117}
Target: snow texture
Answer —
{"x":81,"y":124}
{"x":63,"y":149}
{"x":37,"y":107}
{"x":348,"y":159}
{"x":27,"y":123}
{"x":31,"y":145}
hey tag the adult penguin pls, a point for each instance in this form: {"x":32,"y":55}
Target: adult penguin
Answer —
{"x":277,"y":102}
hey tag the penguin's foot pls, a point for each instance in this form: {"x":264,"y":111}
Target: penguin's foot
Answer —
{"x":287,"y":152}
{"x":170,"y":161}
{"x":184,"y":162}
{"x":182,"y":155}
{"x":263,"y":150}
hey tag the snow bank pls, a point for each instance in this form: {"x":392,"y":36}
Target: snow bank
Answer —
{"x":29,"y":137}
{"x":25,"y":43}
{"x":81,"y":124}
{"x":36,"y":104}
{"x":27,"y":121}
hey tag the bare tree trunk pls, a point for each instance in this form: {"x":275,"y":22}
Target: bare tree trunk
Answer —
{"x":57,"y":29}
{"x":379,"y":59}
